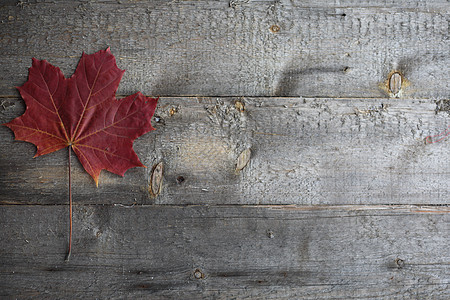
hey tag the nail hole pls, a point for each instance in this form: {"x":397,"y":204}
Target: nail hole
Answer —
{"x":180,"y":179}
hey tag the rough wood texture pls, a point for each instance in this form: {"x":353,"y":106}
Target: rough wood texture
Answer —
{"x":227,"y":48}
{"x":304,"y":151}
{"x":341,"y":197}
{"x":235,"y":252}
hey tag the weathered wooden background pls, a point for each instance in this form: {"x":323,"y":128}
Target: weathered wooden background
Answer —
{"x":342,"y":197}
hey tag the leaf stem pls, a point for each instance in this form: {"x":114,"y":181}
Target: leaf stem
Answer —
{"x":70,"y":207}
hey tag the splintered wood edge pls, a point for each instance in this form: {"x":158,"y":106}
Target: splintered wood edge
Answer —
{"x":156,"y":180}
{"x":243,"y":159}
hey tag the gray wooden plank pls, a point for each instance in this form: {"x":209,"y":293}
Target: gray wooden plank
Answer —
{"x":272,"y":252}
{"x":230,"y":48}
{"x":304,"y":151}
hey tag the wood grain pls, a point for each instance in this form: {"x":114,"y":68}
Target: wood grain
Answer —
{"x":272,"y":252}
{"x":341,"y":197}
{"x":303,"y":151}
{"x":227,"y":48}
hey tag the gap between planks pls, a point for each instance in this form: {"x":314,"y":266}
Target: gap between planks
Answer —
{"x":415,"y":208}
{"x":171,"y":97}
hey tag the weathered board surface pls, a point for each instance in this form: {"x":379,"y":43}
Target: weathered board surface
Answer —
{"x":231,"y":252}
{"x":304,"y":151}
{"x":238,"y":48}
{"x":340,"y":197}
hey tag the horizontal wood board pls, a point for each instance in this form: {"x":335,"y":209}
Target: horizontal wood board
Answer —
{"x":284,"y":252}
{"x":304,"y":151}
{"x":238,"y":48}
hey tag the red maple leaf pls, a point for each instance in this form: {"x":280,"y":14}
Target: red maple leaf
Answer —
{"x":82,"y":113}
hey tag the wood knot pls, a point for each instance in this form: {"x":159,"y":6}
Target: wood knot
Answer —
{"x":198,"y":274}
{"x":395,"y":84}
{"x":275,"y":28}
{"x":243,"y":159}
{"x":400,"y":263}
{"x":156,"y":179}
{"x":239,"y":105}
{"x":173,"y":110}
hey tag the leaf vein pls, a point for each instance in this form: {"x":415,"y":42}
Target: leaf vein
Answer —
{"x":104,"y":151}
{"x":82,"y":154}
{"x":90,"y":93}
{"x":38,"y":130}
{"x":53,"y":102}
{"x":42,"y":105}
{"x":103,"y":129}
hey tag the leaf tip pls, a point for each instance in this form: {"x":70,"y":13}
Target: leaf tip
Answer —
{"x":153,"y":99}
{"x":95,"y":177}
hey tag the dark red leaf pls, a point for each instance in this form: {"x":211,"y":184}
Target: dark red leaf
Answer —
{"x":83,"y":112}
